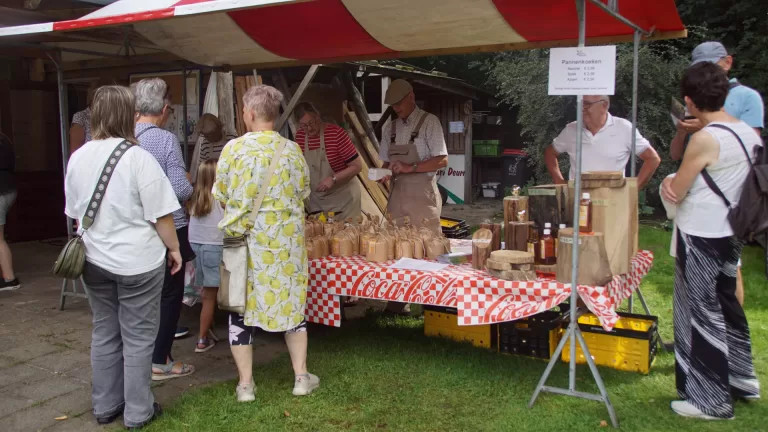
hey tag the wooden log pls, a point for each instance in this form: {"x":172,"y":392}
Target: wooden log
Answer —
{"x":513,"y":275}
{"x":495,"y":229}
{"x":512,"y":205}
{"x":594,"y":268}
{"x":359,"y":108}
{"x":549,"y":203}
{"x":482,"y":241}
{"x":516,"y":234}
{"x":240,"y":89}
{"x":602,"y":175}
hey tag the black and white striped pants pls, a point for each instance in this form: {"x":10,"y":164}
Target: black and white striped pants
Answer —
{"x":713,"y":352}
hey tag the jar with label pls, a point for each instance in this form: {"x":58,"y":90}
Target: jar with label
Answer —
{"x":585,"y":213}
{"x":556,"y":235}
{"x":546,"y":253}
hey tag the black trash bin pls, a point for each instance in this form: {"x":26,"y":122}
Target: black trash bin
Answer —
{"x":515,"y":169}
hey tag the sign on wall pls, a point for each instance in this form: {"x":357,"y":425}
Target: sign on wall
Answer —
{"x":452,"y":178}
{"x":582,"y":71}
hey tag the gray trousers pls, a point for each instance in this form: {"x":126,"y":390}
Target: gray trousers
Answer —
{"x":126,"y":311}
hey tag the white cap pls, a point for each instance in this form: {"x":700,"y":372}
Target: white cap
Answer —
{"x":547,"y":225}
{"x":547,"y":232}
{"x":562,"y":226}
{"x":585,"y":195}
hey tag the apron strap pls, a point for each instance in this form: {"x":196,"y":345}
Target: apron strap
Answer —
{"x":322,"y":141}
{"x":415,"y":132}
{"x":392,"y":131}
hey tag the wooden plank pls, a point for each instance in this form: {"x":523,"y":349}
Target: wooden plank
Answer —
{"x":240,"y":88}
{"x":368,"y":151}
{"x":372,"y":187}
{"x":295,"y":98}
{"x":367,"y":204}
{"x":358,"y":106}
{"x":389,"y":112}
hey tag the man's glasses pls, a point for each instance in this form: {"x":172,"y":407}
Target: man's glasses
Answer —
{"x":588,"y":105}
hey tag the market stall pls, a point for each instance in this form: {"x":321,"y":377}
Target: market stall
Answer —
{"x":248,"y":34}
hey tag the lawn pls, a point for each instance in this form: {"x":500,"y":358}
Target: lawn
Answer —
{"x":382,"y":374}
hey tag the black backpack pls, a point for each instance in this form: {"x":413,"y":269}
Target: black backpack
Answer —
{"x":749,"y":219}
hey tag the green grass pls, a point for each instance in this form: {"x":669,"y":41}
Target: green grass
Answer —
{"x":383,"y":374}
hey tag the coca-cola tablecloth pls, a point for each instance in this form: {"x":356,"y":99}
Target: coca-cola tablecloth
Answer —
{"x":478,"y":297}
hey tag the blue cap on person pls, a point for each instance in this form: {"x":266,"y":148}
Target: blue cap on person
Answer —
{"x":708,"y":52}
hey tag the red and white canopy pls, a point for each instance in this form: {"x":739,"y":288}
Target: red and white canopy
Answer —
{"x":281,"y":32}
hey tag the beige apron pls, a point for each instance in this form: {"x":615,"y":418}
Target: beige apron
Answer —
{"x":343,"y":198}
{"x":414,"y":195}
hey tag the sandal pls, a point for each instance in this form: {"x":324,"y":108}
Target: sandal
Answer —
{"x":204,"y":344}
{"x":168,"y":371}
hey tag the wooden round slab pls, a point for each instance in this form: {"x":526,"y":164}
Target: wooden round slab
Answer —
{"x":512,"y":256}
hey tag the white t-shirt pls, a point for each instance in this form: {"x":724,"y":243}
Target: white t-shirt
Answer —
{"x":608,"y":150}
{"x":122,"y":239}
{"x":702,"y":213}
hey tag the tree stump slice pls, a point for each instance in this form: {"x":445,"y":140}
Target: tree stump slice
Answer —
{"x":512,"y":205}
{"x":495,"y":230}
{"x":482,"y":242}
{"x":516,"y":237}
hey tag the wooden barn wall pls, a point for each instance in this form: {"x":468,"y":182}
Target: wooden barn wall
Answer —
{"x":448,"y":109}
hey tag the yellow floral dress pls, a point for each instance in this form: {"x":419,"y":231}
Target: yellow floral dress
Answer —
{"x":277,"y":256}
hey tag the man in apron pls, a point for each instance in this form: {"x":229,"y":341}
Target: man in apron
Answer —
{"x":413,"y":147}
{"x":333,"y":161}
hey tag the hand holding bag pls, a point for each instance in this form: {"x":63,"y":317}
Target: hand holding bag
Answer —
{"x":233,"y":270}
{"x":71,"y":260}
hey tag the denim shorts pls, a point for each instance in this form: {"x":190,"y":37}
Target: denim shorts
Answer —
{"x":6,"y":201}
{"x":207,"y":264}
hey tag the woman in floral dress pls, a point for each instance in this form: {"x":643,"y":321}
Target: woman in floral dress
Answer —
{"x":277,"y":276}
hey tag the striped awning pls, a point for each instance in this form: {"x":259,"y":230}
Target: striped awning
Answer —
{"x":284,"y":32}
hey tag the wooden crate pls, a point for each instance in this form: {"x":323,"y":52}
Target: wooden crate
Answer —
{"x":549,"y":203}
{"x":615,"y":214}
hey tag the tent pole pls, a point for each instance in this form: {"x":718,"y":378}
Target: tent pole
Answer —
{"x":633,"y":157}
{"x":185,"y":144}
{"x":573,"y":333}
{"x":63,"y":116}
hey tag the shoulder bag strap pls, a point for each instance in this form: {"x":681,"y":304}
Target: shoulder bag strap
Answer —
{"x":708,"y":178}
{"x":101,"y":187}
{"x":149,"y":128}
{"x":267,"y":178}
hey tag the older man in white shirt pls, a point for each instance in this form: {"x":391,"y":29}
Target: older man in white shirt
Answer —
{"x":607,"y":144}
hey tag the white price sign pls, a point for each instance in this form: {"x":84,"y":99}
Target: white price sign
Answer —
{"x":582,"y":71}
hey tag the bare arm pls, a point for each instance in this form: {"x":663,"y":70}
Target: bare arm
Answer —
{"x":167,"y":232}
{"x":550,"y":159}
{"x":76,"y":137}
{"x":350,"y":171}
{"x":684,"y":128}
{"x":651,"y":162}
{"x":702,"y":151}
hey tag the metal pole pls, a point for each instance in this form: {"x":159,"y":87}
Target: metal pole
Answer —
{"x":632,"y":156}
{"x":184,"y":146}
{"x":580,"y":8}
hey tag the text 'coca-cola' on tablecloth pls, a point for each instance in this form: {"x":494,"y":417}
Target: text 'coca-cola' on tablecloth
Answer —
{"x":478,"y":297}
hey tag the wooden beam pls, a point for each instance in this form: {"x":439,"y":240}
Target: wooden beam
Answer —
{"x":389,"y":112}
{"x":370,"y":153}
{"x":446,"y":85}
{"x":359,"y":107}
{"x":105,"y":63}
{"x":467,"y":116}
{"x":299,"y":93}
{"x":281,"y":84}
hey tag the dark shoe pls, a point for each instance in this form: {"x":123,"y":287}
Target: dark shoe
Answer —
{"x":181,"y":332}
{"x":669,"y":347}
{"x":108,"y":419}
{"x":158,"y":412}
{"x":9,"y":285}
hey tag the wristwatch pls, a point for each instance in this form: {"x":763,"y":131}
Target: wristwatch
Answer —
{"x":415,"y":166}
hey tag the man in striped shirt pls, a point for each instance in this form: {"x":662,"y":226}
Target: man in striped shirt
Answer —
{"x":333,"y":163}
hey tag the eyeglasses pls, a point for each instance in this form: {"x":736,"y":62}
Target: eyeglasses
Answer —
{"x":308,"y":124}
{"x":588,"y":105}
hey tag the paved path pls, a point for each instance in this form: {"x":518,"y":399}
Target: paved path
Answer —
{"x":45,"y":368}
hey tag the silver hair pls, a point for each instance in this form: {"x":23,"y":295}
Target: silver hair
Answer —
{"x":151,"y":96}
{"x":264,"y":101}
{"x":303,"y":109}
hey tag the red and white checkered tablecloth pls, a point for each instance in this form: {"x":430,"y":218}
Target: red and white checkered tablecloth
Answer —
{"x":478,"y":297}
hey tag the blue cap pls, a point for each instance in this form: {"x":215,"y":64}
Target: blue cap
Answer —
{"x":708,"y":52}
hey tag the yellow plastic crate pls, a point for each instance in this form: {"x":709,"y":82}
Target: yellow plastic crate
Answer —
{"x":444,"y":322}
{"x":631,"y":346}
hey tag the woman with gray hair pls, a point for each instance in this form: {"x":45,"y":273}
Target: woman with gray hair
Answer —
{"x":277,"y":268}
{"x":153,"y":106}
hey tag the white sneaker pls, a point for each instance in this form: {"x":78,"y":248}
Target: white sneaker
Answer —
{"x":685,"y":409}
{"x":305,"y":384}
{"x":245,"y":392}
